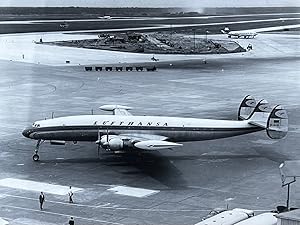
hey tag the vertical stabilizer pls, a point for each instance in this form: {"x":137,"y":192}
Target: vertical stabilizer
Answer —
{"x":246,"y":108}
{"x":277,"y":124}
{"x":261,"y":112}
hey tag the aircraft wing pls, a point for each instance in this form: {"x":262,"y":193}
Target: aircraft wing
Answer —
{"x":149,"y":141}
{"x":155,"y":145}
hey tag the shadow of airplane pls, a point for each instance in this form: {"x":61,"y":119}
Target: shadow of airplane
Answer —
{"x":152,"y":164}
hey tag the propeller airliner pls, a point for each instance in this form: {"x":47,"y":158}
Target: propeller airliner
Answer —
{"x":124,"y":132}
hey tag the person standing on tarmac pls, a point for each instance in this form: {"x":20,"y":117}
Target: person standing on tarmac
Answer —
{"x":71,"y":221}
{"x":42,"y":200}
{"x":70,"y":193}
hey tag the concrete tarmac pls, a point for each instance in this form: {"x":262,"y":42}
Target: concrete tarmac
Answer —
{"x":166,"y":187}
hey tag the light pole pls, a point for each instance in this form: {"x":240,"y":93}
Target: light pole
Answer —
{"x":288,"y":193}
{"x":286,"y":184}
{"x":194,"y":30}
{"x":206,"y":33}
{"x":171,"y":32}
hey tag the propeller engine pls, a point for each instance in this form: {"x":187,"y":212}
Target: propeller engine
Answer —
{"x":111,"y":142}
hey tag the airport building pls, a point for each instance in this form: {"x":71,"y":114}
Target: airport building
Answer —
{"x":289,"y":218}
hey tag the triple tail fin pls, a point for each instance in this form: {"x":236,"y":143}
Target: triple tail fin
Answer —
{"x":274,"y":120}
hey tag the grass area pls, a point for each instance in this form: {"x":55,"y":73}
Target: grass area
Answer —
{"x":156,"y":43}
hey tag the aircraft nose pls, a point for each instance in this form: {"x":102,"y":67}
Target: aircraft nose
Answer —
{"x":26,"y":132}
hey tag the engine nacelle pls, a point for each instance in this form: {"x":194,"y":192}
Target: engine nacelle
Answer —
{"x":113,"y":143}
{"x":57,"y":142}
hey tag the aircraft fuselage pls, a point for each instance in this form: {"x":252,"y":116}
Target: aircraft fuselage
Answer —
{"x":87,"y":128}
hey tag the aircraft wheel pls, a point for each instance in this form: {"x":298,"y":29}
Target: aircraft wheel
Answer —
{"x":35,"y":157}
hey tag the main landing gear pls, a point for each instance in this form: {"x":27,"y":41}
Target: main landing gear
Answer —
{"x":35,"y":156}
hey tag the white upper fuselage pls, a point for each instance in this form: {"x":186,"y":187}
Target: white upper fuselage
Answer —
{"x":130,"y":121}
{"x":87,"y":128}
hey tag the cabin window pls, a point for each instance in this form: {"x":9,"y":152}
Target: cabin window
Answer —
{"x":276,"y":122}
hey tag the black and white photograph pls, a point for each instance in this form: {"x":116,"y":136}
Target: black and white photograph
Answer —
{"x":131,"y":112}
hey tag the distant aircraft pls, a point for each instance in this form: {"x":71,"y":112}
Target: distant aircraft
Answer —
{"x":154,"y":59}
{"x":64,"y":25}
{"x":105,"y":17}
{"x":238,"y":34}
{"x":122,"y":131}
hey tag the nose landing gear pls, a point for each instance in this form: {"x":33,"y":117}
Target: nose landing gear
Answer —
{"x":35,"y":156}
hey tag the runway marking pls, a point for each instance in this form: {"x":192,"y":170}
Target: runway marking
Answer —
{"x":145,"y":18}
{"x":229,"y":199}
{"x":60,"y":214}
{"x":274,"y":28}
{"x":57,"y":202}
{"x":265,"y":142}
{"x":29,"y":185}
{"x":105,"y":185}
{"x":3,"y":222}
{"x":164,"y":26}
{"x":133,"y":192}
{"x":113,"y":207}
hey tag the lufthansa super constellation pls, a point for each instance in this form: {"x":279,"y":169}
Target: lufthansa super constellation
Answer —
{"x":124,"y":132}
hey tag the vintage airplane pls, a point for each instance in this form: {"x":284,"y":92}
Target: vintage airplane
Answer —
{"x":238,"y":34}
{"x":105,"y":17}
{"x":124,"y":132}
{"x":64,"y":25}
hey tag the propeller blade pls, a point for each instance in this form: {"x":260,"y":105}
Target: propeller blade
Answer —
{"x":99,"y":142}
{"x":107,"y":135}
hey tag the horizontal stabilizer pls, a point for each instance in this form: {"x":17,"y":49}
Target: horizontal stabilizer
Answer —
{"x":258,"y":124}
{"x":155,"y":145}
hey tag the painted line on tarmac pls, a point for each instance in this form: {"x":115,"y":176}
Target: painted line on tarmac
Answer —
{"x":145,"y":18}
{"x":164,"y":26}
{"x":57,"y":202}
{"x":112,"y":207}
{"x":132,"y":192}
{"x":30,"y":185}
{"x":60,"y":214}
